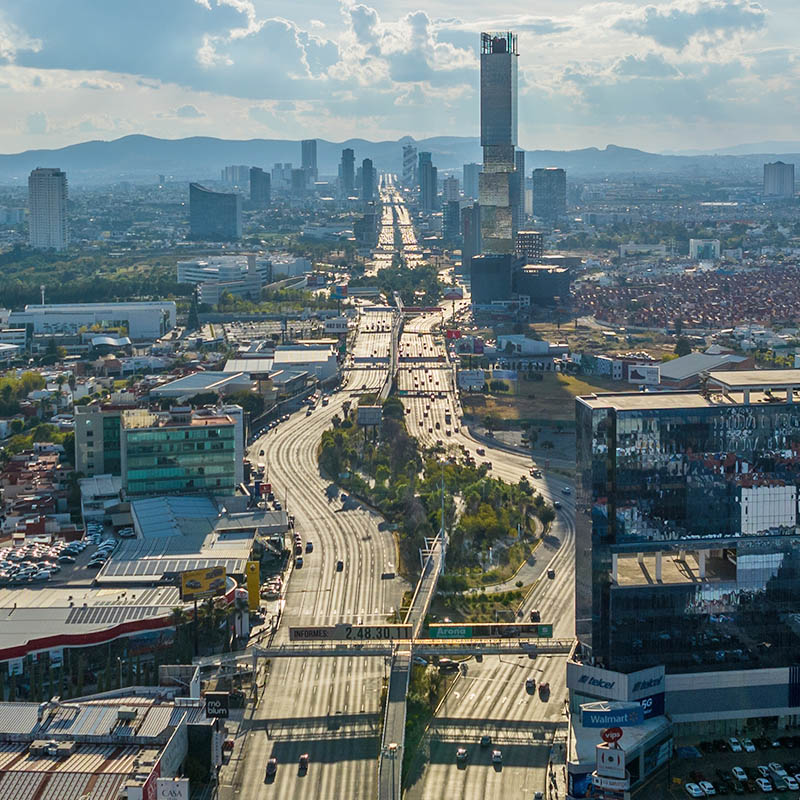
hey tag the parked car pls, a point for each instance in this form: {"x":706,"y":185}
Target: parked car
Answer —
{"x":708,"y":788}
{"x":764,"y":785}
{"x":739,"y":774}
{"x":735,"y":745}
{"x":748,"y":745}
{"x":693,"y":790}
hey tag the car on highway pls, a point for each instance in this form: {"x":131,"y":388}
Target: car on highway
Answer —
{"x":551,"y":573}
{"x":497,"y":757}
{"x":66,"y":559}
{"x":693,"y":790}
{"x":339,"y":565}
{"x":461,"y":755}
{"x":556,"y":505}
{"x":309,"y":546}
{"x":302,"y":763}
{"x":535,"y":615}
{"x":566,"y":490}
{"x":298,"y":562}
{"x":272,"y":767}
{"x":530,"y":685}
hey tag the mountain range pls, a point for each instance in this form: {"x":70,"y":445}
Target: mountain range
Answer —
{"x":141,"y":158}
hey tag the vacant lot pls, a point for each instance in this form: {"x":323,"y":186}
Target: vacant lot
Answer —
{"x":552,"y":398}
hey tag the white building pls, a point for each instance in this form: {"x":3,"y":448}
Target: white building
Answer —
{"x":778,"y":180}
{"x":47,"y":204}
{"x":143,"y":320}
{"x":318,"y":360}
{"x":704,"y":249}
{"x":289,"y":266}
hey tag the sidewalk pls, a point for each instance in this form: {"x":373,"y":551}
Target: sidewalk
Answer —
{"x":557,"y":765}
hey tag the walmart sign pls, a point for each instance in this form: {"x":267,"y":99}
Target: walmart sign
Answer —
{"x":612,"y":717}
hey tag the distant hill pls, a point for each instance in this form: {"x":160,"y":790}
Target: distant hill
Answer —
{"x":142,"y":158}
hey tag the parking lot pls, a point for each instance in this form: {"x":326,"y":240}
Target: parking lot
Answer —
{"x":716,"y":761}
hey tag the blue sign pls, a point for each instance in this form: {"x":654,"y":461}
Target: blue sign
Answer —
{"x":618,"y":717}
{"x":653,"y":706}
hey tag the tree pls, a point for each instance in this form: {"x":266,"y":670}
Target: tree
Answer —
{"x":683,"y":346}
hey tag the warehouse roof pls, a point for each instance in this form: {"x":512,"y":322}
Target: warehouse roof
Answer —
{"x":684,"y":367}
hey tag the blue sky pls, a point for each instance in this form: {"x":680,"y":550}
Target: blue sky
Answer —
{"x":671,"y":75}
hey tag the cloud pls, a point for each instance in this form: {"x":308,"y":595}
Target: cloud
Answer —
{"x":98,"y":84}
{"x":676,"y":25}
{"x":650,"y":66}
{"x":13,"y":39}
{"x":188,"y":112}
{"x":37,"y":123}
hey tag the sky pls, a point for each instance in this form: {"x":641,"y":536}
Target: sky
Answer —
{"x":662,"y":76}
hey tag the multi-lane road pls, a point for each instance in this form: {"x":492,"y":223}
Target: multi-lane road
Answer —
{"x":330,"y":707}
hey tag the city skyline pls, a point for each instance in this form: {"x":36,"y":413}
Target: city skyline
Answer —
{"x":669,"y":76}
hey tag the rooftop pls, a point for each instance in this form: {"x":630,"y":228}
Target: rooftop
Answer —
{"x":680,"y":368}
{"x":757,"y":378}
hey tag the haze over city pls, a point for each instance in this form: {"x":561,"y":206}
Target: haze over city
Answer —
{"x":676,"y":76}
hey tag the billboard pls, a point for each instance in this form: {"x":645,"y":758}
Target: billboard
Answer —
{"x":352,"y":633}
{"x":616,"y":715}
{"x":218,"y":705}
{"x":340,"y":291}
{"x":452,"y":333}
{"x":172,"y":789}
{"x":197,"y":584}
{"x":645,"y":376}
{"x":504,"y":374}
{"x":477,"y":346}
{"x":253,"y":573}
{"x":453,"y":293}
{"x":370,"y":415}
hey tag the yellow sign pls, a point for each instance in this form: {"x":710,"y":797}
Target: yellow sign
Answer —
{"x":197,"y":584}
{"x":253,"y":573}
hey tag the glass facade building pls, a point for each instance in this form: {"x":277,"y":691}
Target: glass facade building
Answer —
{"x":687,"y":537}
{"x":164,"y":454}
{"x":214,"y":216}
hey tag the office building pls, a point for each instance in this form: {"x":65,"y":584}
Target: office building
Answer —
{"x":409,"y":165}
{"x":241,"y":276}
{"x":260,"y":187}
{"x":47,"y":209}
{"x":451,"y":222}
{"x":428,"y":183}
{"x":470,"y":235}
{"x":704,"y":249}
{"x":529,"y":246}
{"x":214,"y":216}
{"x":518,"y":189}
{"x":542,"y":284}
{"x":143,"y":321}
{"x":236,"y":175}
{"x":367,"y":181}
{"x":281,"y":177}
{"x":179,"y":452}
{"x":490,"y":277}
{"x":470,"y":180}
{"x":779,"y":180}
{"x":308,"y":157}
{"x":365,"y":230}
{"x":299,"y":183}
{"x":688,"y":557}
{"x":550,"y":194}
{"x":450,"y":189}
{"x":499,"y":57}
{"x":97,"y":438}
{"x":348,"y":175}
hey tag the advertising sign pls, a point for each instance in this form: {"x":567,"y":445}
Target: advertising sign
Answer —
{"x":253,"y":573}
{"x":218,"y":705}
{"x":452,"y":334}
{"x":340,"y":291}
{"x":492,"y":630}
{"x":350,"y":633}
{"x":653,"y":706}
{"x":172,"y":789}
{"x":370,"y":415}
{"x":593,"y":715}
{"x":454,"y":293}
{"x":649,"y":376}
{"x":504,"y":374}
{"x":610,"y":685}
{"x":197,"y":584}
{"x":611,"y":735}
{"x":620,"y":784}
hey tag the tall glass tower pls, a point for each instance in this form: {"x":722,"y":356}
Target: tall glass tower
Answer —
{"x":498,"y":139}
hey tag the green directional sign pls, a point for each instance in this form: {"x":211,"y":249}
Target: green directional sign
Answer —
{"x":450,"y":631}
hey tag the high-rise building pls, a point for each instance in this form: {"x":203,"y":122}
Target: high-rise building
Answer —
{"x":498,"y":138}
{"x":308,"y":157}
{"x":47,"y":209}
{"x":470,"y":235}
{"x":409,"y":165}
{"x":97,"y":439}
{"x":236,"y":175}
{"x":281,"y":176}
{"x":490,"y":277}
{"x":470,"y":176}
{"x":450,"y":189}
{"x":260,"y":187}
{"x":214,"y":216}
{"x":367,"y":180}
{"x":428,"y":183}
{"x":530,"y":246}
{"x":550,"y":194}
{"x":451,"y":222}
{"x":518,"y":189}
{"x":348,"y":171}
{"x":180,"y":451}
{"x":687,"y":559}
{"x":779,"y":180}
{"x":299,"y":182}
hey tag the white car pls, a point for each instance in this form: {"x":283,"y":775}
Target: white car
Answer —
{"x":764,"y":785}
{"x":739,"y":774}
{"x":776,"y":769}
{"x":708,"y":788}
{"x":734,"y":745}
{"x":763,"y":770}
{"x":693,"y":790}
{"x":791,"y":783}
{"x":748,"y":745}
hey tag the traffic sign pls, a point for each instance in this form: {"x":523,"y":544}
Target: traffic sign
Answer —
{"x":491,"y":630}
{"x":217,"y":705}
{"x":611,"y":735}
{"x":350,"y":633}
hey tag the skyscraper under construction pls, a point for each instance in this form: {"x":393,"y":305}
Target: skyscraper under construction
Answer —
{"x":498,"y":138}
